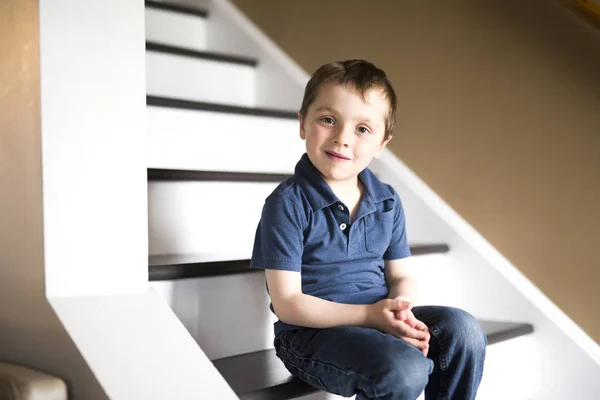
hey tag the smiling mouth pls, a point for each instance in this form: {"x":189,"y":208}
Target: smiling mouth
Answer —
{"x":336,"y":156}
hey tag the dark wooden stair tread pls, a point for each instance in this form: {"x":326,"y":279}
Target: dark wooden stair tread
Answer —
{"x":200,"y":54}
{"x":170,"y":267}
{"x":176,"y":8}
{"x":166,"y":174}
{"x":497,"y":332}
{"x":261,"y":375}
{"x":168,"y":102}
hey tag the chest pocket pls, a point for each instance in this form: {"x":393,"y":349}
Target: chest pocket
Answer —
{"x":378,"y":232}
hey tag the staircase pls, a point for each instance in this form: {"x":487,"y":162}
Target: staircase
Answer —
{"x":221,"y":136}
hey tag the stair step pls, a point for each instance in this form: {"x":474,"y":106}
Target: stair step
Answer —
{"x":425,"y":249}
{"x":159,"y":101}
{"x":160,"y":174}
{"x":176,"y":8}
{"x":164,"y":268}
{"x":194,"y":75}
{"x":201,"y":217}
{"x":176,"y":25}
{"x":186,"y":140}
{"x":501,"y":331}
{"x":172,"y":267}
{"x":204,"y":55}
{"x":261,"y":375}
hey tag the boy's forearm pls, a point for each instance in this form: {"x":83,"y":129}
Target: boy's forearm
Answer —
{"x":405,"y":287}
{"x":313,"y":312}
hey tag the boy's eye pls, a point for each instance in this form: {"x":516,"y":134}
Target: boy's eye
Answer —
{"x":363,"y":129}
{"x":327,"y":120}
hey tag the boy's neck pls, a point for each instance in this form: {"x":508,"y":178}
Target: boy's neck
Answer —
{"x":349,"y":192}
{"x":344,"y":188}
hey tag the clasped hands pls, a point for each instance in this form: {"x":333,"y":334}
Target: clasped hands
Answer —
{"x":394,"y":316}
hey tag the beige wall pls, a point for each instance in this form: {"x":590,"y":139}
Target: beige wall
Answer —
{"x":30,"y":332}
{"x":499,"y":112}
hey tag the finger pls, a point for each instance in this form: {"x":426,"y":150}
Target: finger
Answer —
{"x":399,"y":305}
{"x":420,"y":325}
{"x":406,"y":301}
{"x":423,"y":328}
{"x":415,"y":333}
{"x":401,"y":315}
{"x":404,"y":330}
{"x":416,"y":343}
{"x":411,"y":321}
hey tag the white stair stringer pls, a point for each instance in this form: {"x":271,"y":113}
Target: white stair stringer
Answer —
{"x":176,"y":29}
{"x":226,"y":315}
{"x":196,"y":79}
{"x":204,"y":217}
{"x":137,"y":337}
{"x":204,"y":140}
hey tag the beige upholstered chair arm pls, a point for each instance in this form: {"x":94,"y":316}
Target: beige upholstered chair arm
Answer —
{"x":20,"y":383}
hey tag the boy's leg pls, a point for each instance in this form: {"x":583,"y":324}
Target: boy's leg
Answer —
{"x":457,"y":347}
{"x":355,"y":360}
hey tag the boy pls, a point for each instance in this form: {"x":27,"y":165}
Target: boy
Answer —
{"x":331,"y":240}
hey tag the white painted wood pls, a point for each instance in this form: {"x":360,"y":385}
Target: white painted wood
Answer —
{"x":138,"y":349}
{"x":201,"y":140}
{"x":280,"y":81}
{"x":504,"y":377}
{"x":204,"y":217}
{"x":93,"y":131}
{"x":175,"y":29}
{"x":226,"y":315}
{"x":189,"y":78}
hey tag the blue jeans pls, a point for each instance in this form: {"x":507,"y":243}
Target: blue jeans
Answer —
{"x":353,"y":360}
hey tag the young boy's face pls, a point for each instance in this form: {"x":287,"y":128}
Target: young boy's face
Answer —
{"x":343,"y":131}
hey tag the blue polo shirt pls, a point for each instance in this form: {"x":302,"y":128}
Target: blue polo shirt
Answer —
{"x":305,"y":228}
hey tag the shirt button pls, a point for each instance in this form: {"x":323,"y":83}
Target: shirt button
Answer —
{"x":343,"y":226}
{"x":340,"y":207}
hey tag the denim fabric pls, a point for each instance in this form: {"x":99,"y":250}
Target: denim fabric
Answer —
{"x":304,"y":227}
{"x":373,"y":365}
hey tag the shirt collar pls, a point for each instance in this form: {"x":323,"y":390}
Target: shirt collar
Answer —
{"x":320,"y":195}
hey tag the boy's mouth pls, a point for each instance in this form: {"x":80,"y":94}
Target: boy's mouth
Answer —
{"x":336,"y":156}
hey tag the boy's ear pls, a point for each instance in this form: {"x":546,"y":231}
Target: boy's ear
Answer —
{"x":382,"y":146}
{"x":302,"y":132}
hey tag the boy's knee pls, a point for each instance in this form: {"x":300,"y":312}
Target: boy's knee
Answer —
{"x":465,"y":331}
{"x":403,"y":377}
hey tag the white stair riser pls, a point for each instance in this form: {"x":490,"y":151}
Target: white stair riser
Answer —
{"x":195,"y":79}
{"x":201,"y":140}
{"x":204,"y":217}
{"x":511,"y":370}
{"x":176,"y":29}
{"x":226,"y":315}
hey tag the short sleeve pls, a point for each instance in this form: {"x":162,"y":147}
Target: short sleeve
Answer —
{"x":279,"y":240}
{"x":398,"y":247}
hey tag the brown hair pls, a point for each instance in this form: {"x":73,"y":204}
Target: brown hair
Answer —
{"x":360,"y":74}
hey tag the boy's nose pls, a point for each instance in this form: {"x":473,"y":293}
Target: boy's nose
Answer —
{"x":343,"y":137}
